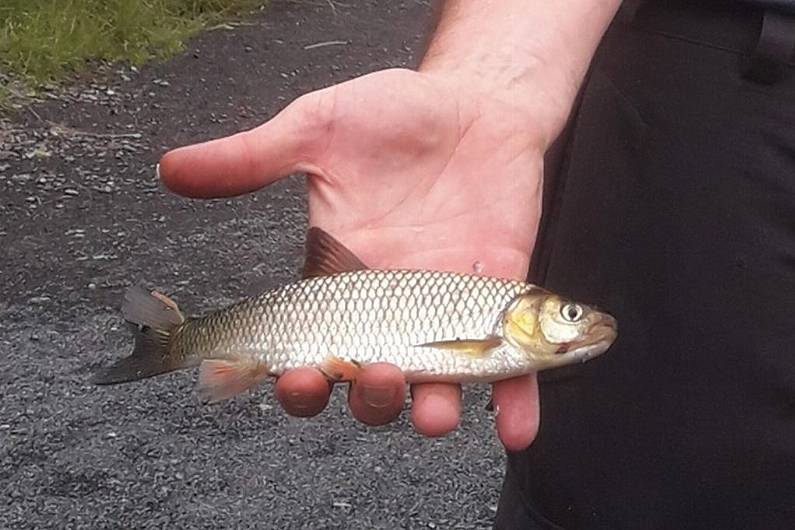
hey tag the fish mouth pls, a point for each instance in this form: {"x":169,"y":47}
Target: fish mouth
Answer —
{"x":599,"y":337}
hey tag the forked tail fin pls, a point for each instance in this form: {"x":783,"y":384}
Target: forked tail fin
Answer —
{"x":156,"y":317}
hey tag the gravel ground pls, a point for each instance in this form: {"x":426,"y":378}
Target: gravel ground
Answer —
{"x":82,"y":217}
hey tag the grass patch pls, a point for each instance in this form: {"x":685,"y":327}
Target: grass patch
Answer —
{"x":44,"y":41}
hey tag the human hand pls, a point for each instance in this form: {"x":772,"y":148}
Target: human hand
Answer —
{"x":409,"y":170}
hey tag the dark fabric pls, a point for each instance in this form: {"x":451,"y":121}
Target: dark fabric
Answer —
{"x":773,"y":49}
{"x":674,"y":208}
{"x":784,"y":6}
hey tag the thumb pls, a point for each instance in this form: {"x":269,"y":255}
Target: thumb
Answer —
{"x":249,"y":160}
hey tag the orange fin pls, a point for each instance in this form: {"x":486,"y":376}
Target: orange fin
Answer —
{"x":335,"y":369}
{"x":221,"y":379}
{"x":473,"y":347}
{"x":325,"y":256}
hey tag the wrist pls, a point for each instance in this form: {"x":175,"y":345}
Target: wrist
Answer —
{"x":530,"y":92}
{"x":529,"y":54}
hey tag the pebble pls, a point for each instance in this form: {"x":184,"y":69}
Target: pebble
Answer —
{"x":39,"y":299}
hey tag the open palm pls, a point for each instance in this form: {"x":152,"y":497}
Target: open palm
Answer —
{"x":409,"y":171}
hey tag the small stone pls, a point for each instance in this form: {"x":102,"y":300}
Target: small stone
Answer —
{"x":39,"y":152}
{"x":39,"y":300}
{"x":71,"y":191}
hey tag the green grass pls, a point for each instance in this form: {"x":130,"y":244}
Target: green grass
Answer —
{"x":44,"y":41}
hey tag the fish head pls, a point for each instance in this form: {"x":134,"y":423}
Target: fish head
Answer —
{"x":554,"y":331}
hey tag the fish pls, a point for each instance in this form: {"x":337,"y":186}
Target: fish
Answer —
{"x":342,"y":315}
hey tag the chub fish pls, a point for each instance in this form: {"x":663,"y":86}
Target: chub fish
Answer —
{"x":435,"y":326}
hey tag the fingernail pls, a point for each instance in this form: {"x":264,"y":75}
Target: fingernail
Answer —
{"x":378,"y":397}
{"x":300,"y":401}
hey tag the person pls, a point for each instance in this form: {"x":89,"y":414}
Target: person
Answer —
{"x":660,"y":145}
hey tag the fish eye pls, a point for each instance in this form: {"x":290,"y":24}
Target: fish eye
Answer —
{"x":571,"y":312}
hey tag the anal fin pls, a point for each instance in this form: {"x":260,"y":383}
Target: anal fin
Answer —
{"x":473,"y":347}
{"x":223,"y":379}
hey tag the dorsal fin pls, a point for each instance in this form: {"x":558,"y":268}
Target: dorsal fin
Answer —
{"x":326,"y":256}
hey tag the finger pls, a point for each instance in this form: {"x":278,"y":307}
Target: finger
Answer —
{"x":516,"y":404}
{"x":436,"y":408}
{"x":303,"y":392}
{"x":378,"y":394}
{"x":251,"y":159}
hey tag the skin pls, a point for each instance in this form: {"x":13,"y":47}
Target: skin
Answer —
{"x":439,"y":168}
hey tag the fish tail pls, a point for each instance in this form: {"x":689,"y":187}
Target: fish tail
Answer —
{"x":156,"y":318}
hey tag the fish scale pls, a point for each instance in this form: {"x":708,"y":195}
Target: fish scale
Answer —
{"x":362,"y":316}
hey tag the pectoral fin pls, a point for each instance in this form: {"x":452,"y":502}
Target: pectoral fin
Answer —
{"x":473,"y":347}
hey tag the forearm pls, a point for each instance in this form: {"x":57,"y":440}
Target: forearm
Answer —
{"x":518,"y":47}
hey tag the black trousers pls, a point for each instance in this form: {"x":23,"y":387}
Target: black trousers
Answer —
{"x":673,"y":206}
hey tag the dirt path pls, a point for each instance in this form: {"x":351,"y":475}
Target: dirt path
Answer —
{"x":82,"y":217}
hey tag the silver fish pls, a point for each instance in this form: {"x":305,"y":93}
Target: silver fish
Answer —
{"x":435,"y":326}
